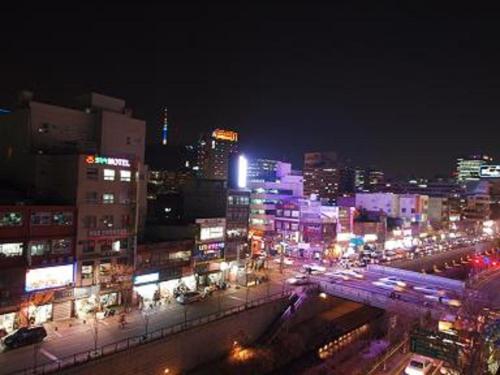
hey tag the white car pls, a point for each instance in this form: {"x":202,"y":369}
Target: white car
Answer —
{"x":352,"y":273}
{"x":286,"y":261}
{"x":383,"y":285}
{"x":298,"y":280}
{"x":337,"y":275}
{"x":430,"y":290}
{"x":419,"y":365}
{"x":393,"y":280}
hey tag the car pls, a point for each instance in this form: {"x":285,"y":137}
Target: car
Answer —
{"x":298,"y":280}
{"x":429,"y":290}
{"x":189,"y":297}
{"x":419,"y":365}
{"x":444,"y":300}
{"x":352,"y":273}
{"x":383,"y":285}
{"x":393,"y":280}
{"x":24,"y":336}
{"x":337,"y":275}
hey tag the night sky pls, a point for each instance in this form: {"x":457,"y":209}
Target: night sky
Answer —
{"x":404,"y":89}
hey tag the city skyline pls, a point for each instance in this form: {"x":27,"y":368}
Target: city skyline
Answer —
{"x":331,"y":77}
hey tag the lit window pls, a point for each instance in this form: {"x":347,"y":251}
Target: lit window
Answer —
{"x":125,"y":176}
{"x":39,"y":248}
{"x":11,"y":249}
{"x":10,"y":219}
{"x":108,"y":198}
{"x":87,"y":270}
{"x":109,"y":174}
{"x":116,"y":245}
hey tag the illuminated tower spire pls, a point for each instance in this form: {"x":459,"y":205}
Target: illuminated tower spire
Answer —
{"x":164,"y":132}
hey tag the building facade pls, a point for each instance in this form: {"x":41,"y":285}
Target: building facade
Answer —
{"x":213,"y":153}
{"x":468,"y":168}
{"x":321,"y":175}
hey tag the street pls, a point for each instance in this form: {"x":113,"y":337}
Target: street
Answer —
{"x":66,"y":341}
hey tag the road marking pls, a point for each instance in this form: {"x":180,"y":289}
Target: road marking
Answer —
{"x":237,"y":298}
{"x":48,"y":354}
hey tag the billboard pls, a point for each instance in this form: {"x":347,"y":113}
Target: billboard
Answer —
{"x":49,"y":277}
{"x":489,"y":171}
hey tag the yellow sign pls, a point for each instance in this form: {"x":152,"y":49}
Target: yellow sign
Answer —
{"x":225,"y":135}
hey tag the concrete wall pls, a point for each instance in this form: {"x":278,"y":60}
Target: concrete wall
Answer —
{"x":189,"y":349}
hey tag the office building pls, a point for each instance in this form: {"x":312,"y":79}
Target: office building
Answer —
{"x":321,"y":175}
{"x":213,"y":152}
{"x":468,"y":168}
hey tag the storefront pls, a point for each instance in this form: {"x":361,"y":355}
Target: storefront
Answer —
{"x":40,"y":314}
{"x":146,"y":286}
{"x":7,"y":321}
{"x":167,"y":288}
{"x":94,"y":302}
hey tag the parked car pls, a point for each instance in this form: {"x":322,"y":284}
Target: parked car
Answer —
{"x":189,"y":297}
{"x":24,"y":336}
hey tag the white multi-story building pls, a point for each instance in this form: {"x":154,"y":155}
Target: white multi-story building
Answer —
{"x":409,"y":207}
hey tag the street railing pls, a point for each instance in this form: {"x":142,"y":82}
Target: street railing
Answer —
{"x":134,"y":341}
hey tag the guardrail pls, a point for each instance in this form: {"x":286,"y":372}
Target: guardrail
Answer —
{"x":134,"y":341}
{"x":455,"y":285}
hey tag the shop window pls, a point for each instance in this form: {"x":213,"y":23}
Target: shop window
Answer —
{"x":62,"y":246}
{"x":107,"y":221}
{"x":91,"y":197}
{"x":105,"y":267}
{"x":125,"y":176}
{"x":92,"y":174}
{"x":180,"y":255}
{"x":39,"y":248}
{"x":14,"y":249}
{"x":88,"y":270}
{"x":108,"y":198}
{"x":11,"y":219}
{"x":230,"y":200}
{"x":62,"y":218}
{"x":88,"y":246}
{"x":41,"y":218}
{"x":109,"y":174}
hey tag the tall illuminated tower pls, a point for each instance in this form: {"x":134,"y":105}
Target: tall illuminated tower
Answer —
{"x":164,"y":131}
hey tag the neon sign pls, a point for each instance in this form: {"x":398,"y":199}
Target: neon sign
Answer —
{"x":489,"y":171}
{"x":117,"y":162}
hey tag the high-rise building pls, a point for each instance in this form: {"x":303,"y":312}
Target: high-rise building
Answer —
{"x":468,"y":168}
{"x":321,"y":175}
{"x":90,"y":156}
{"x":374,"y":178}
{"x":213,"y":153}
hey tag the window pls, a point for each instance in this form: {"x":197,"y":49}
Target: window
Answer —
{"x":230,"y":200}
{"x":87,"y":270}
{"x":10,"y":219}
{"x":180,"y":255}
{"x":295,"y":226}
{"x":403,"y":210}
{"x":88,"y":246}
{"x":125,"y":176}
{"x":106,"y":246}
{"x":62,"y":218}
{"x":41,"y":218}
{"x":62,"y":246}
{"x":105,"y":267}
{"x":295,"y":213}
{"x":116,"y":245}
{"x":39,"y":248}
{"x":286,"y":213}
{"x":14,"y":249}
{"x":91,"y":197}
{"x":90,"y":222}
{"x":125,"y":221}
{"x":124,"y":198}
{"x":109,"y":174}
{"x":107,"y":221}
{"x":92,"y":174}
{"x":108,"y":198}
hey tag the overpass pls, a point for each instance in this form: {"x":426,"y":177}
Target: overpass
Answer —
{"x":412,"y":302}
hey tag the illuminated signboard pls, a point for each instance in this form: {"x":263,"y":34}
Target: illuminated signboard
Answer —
{"x":242,"y":172}
{"x":211,"y":233}
{"x":49,"y":277}
{"x":116,"y":162}
{"x":489,"y":171}
{"x":146,"y":278}
{"x":225,"y":135}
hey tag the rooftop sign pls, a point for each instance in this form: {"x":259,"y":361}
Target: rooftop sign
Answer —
{"x":225,"y":135}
